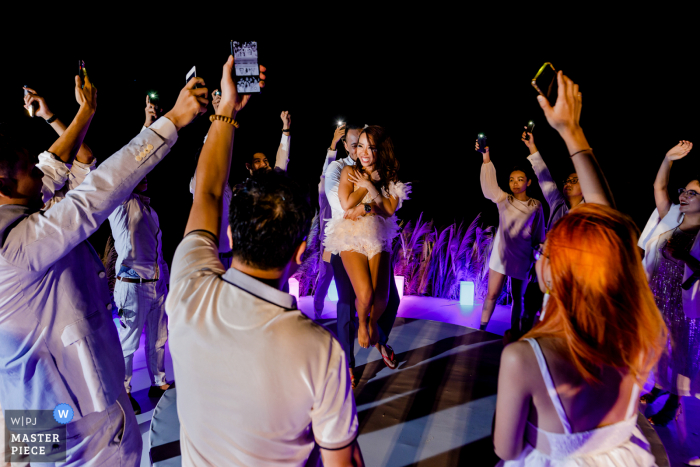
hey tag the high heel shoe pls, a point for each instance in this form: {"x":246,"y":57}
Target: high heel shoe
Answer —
{"x":670,"y":411}
{"x":651,"y":397}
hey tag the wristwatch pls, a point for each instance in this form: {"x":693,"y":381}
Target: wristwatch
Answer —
{"x":368,"y":208}
{"x":51,"y":120}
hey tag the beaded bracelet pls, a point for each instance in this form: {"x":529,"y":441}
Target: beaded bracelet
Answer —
{"x":224,"y":119}
{"x":582,"y":150}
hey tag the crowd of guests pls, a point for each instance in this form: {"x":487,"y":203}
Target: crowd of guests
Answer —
{"x":569,"y":385}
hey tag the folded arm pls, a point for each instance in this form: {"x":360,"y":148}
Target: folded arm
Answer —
{"x":349,"y":198}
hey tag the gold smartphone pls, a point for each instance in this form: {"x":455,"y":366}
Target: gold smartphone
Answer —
{"x":545,"y":81}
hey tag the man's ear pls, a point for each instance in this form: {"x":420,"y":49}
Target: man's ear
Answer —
{"x":247,"y":166}
{"x":229,"y":234}
{"x":299,"y":252}
{"x":345,"y":145}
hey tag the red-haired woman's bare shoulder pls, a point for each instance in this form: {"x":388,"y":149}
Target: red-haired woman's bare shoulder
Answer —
{"x":518,"y":357}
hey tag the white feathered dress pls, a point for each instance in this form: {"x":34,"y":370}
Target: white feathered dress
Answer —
{"x":369,"y":234}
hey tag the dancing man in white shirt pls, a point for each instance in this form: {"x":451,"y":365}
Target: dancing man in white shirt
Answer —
{"x":248,"y":333}
{"x":347,"y":324}
{"x":68,"y":352}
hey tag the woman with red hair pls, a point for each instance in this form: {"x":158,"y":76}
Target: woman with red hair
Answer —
{"x":579,"y":372}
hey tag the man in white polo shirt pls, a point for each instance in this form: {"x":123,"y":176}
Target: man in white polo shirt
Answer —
{"x":258,"y":382}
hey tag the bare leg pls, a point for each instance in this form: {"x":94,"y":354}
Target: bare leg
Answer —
{"x":357,"y":267}
{"x":496,"y":280}
{"x":380,"y":270}
{"x":517,"y":291}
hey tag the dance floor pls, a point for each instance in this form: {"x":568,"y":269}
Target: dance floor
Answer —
{"x":437,"y":408}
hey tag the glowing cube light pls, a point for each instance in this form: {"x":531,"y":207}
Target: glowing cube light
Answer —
{"x":399,"y":284}
{"x":466,"y":293}
{"x":294,"y":287}
{"x":332,"y":294}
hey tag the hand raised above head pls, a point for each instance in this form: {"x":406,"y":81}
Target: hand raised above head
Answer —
{"x":231,"y":101}
{"x":86,"y":94}
{"x":190,"y":102}
{"x":679,"y":151}
{"x":528,"y":139}
{"x":566,"y":113}
{"x":42,"y":109}
{"x":476,"y":147}
{"x":216,"y":99}
{"x":286,"y":119}
{"x":150,"y":110}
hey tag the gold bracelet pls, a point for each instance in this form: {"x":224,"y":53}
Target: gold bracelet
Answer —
{"x":224,"y":119}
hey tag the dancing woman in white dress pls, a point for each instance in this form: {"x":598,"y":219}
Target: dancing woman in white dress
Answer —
{"x":364,"y":241}
{"x":568,"y":392}
{"x":520,"y":229}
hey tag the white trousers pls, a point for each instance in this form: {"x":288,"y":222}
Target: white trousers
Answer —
{"x":139,"y":305}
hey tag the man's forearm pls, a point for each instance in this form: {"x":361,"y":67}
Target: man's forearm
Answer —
{"x":84,"y":155}
{"x":71,"y":138}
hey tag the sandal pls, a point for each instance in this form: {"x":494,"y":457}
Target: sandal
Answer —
{"x":388,"y":356}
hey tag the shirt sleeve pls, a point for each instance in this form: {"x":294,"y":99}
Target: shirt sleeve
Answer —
{"x":489,"y":184}
{"x":538,"y":227}
{"x":282,"y":159}
{"x":44,"y":237}
{"x":332,"y":180}
{"x":334,"y":416}
{"x":197,"y":252}
{"x":56,"y":174}
{"x":330,"y":157}
{"x":549,"y":188}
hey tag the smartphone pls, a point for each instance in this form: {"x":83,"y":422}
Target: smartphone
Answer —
{"x":530,"y":127}
{"x":81,"y":72}
{"x":245,"y":69}
{"x":545,"y":81}
{"x":31,"y":107}
{"x":191,"y":74}
{"x":482,"y":143}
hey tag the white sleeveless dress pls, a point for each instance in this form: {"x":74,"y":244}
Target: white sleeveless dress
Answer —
{"x":619,"y":445}
{"x":370,"y":234}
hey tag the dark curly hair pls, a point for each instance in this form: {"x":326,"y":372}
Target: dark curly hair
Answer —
{"x":385,"y":163}
{"x":270,"y":215}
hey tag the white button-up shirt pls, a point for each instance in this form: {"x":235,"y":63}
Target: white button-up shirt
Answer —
{"x":237,"y":339}
{"x":58,"y":343}
{"x":332,"y":181}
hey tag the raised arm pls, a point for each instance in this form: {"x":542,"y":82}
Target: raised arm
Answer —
{"x":564,"y":117}
{"x":549,"y":188}
{"x":42,"y":238}
{"x":489,"y":181}
{"x":663,"y":202}
{"x":349,"y":198}
{"x":215,"y":159}
{"x":282,"y":158}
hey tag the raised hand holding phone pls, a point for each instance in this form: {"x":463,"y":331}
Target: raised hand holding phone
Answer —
{"x":232,"y":101}
{"x":151,"y":115}
{"x":338,"y":135}
{"x":529,"y":139}
{"x":35,"y":104}
{"x":191,"y":102}
{"x":482,"y":148}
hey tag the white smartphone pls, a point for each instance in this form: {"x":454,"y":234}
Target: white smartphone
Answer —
{"x":191,"y":74}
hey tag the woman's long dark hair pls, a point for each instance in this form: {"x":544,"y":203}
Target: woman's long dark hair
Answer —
{"x":385,"y":162}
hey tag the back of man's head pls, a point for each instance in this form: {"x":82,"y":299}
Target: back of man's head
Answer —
{"x":10,"y":154}
{"x":270,"y":215}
